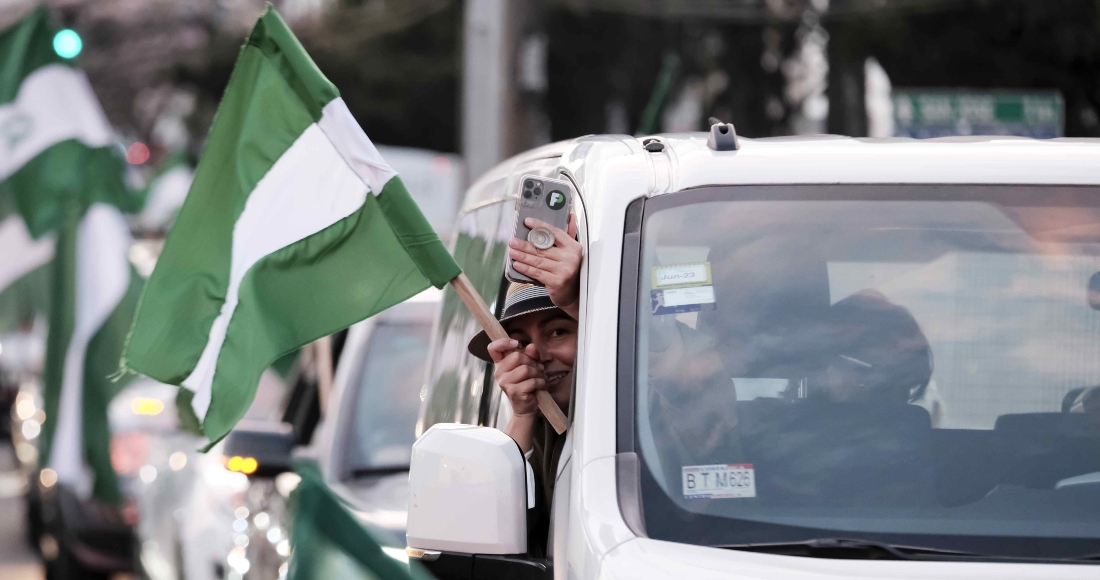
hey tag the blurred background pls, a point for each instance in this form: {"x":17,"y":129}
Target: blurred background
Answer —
{"x":489,"y":78}
{"x":448,"y":88}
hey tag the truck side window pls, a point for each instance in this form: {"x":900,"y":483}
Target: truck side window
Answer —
{"x":457,"y":378}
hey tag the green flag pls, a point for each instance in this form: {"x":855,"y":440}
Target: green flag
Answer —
{"x":294,"y":228}
{"x":94,"y":294}
{"x":24,"y":273}
{"x":56,"y":146}
{"x":327,"y":541}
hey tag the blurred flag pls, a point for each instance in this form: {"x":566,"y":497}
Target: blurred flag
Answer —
{"x":56,"y":146}
{"x":328,"y":542}
{"x":294,"y":228}
{"x":24,"y":265}
{"x":60,"y":169}
{"x":95,"y":293}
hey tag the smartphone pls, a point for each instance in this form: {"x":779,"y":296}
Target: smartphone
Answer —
{"x":542,"y":198}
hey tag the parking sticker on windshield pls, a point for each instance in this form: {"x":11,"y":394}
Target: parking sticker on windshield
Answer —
{"x":719,"y":481}
{"x":681,"y":300}
{"x":681,"y":275}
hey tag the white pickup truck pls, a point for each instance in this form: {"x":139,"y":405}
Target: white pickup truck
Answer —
{"x":805,"y":357}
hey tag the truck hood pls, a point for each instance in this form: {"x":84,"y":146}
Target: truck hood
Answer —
{"x":646,"y":558}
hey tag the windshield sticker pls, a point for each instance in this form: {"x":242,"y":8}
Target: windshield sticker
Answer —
{"x":681,"y":275}
{"x":681,"y":300}
{"x":719,"y":481}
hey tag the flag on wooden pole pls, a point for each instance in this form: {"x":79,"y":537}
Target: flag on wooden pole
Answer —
{"x":294,"y":228}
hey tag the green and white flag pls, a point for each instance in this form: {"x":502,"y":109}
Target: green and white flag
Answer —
{"x":95,"y":294}
{"x":294,"y":228}
{"x":24,"y":264}
{"x":56,"y":145}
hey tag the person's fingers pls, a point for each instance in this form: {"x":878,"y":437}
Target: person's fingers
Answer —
{"x":565,"y":247}
{"x":533,"y":352}
{"x":522,"y":395}
{"x":519,"y":374}
{"x":555,"y":258}
{"x":543,"y":276}
{"x":516,"y":244}
{"x":515,"y":359}
{"x":525,"y":391}
{"x":500,"y":348}
{"x":572,"y":227}
{"x":548,"y":259}
{"x":542,"y":261}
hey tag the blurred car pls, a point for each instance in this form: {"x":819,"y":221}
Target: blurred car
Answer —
{"x":188,"y":501}
{"x":364,"y":442}
{"x":83,"y":537}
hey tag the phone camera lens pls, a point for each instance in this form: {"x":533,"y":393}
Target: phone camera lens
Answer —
{"x":529,"y":184}
{"x":527,"y":193}
{"x":538,"y":191}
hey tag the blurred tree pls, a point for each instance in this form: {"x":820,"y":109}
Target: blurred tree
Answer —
{"x":603,"y":68}
{"x":398,"y":64}
{"x":399,"y":78}
{"x":1021,"y":44}
{"x":605,"y":56}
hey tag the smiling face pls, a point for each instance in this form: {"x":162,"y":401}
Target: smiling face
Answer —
{"x":554,"y":334}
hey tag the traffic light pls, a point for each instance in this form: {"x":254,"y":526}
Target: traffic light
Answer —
{"x":67,"y":43}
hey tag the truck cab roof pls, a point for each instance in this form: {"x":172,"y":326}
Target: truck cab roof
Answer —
{"x":686,"y":161}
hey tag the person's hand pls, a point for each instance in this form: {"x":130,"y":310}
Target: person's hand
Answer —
{"x":557,"y":267}
{"x":519,"y":374}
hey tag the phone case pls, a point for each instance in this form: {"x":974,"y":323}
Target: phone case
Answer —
{"x":549,"y":200}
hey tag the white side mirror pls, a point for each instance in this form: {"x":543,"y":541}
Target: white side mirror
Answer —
{"x":467,"y":492}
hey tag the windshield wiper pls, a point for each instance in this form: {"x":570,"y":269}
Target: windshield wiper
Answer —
{"x":846,"y":548}
{"x":854,"y":549}
{"x":362,"y":472}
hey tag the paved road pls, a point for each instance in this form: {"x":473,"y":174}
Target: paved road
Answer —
{"x":17,"y":560}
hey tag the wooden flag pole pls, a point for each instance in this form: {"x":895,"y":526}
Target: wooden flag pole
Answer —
{"x":492,"y":327}
{"x":323,"y":359}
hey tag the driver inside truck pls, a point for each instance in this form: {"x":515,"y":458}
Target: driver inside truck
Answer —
{"x":541,"y":321}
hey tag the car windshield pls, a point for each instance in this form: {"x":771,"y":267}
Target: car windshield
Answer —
{"x":907,"y":364}
{"x":387,"y":399}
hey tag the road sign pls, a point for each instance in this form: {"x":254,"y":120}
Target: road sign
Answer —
{"x":924,"y":113}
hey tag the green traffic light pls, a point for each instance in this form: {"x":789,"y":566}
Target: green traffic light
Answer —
{"x":67,"y":43}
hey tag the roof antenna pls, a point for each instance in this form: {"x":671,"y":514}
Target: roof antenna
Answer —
{"x":723,"y":137}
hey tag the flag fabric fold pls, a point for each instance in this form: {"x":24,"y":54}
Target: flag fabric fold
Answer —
{"x":56,"y":146}
{"x":294,"y":228}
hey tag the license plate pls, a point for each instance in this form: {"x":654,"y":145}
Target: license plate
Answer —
{"x":719,"y":481}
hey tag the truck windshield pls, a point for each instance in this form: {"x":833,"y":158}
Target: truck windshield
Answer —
{"x":915,"y":365}
{"x":382,"y":428}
